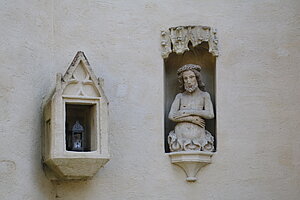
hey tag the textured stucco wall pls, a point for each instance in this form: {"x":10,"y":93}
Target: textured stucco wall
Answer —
{"x":258,"y":84}
{"x":26,"y":63}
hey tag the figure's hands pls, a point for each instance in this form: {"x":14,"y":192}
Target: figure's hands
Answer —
{"x":193,"y":119}
{"x":199,"y":121}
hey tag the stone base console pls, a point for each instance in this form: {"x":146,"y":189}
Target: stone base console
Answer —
{"x":191,"y":162}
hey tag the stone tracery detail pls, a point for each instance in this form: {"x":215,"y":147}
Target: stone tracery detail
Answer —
{"x":177,"y":39}
{"x":79,"y":81}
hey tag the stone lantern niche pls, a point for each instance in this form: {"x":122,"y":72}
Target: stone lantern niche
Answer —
{"x":75,"y":138}
{"x":189,"y":54}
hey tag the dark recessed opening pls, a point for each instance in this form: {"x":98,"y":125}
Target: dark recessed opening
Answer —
{"x":80,"y":127}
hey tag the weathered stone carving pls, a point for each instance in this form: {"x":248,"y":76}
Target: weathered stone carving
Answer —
{"x":177,"y":39}
{"x":188,"y":110}
{"x":191,"y":145}
{"x":166,"y":43}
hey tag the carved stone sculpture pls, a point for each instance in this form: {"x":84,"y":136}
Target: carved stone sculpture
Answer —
{"x":188,"y":110}
{"x":177,"y":39}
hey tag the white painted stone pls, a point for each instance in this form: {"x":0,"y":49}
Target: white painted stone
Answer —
{"x":191,"y":162}
{"x":79,"y":86}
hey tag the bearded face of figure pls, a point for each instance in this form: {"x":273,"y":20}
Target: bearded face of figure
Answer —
{"x":190,"y":81}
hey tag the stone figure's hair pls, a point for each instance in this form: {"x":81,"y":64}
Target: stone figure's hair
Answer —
{"x":194,"y":68}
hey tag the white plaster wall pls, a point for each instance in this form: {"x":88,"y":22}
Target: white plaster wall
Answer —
{"x":26,"y":60}
{"x":258,"y":84}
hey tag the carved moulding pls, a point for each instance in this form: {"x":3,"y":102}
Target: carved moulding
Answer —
{"x":176,"y":39}
{"x":75,"y":136}
{"x":191,"y":162}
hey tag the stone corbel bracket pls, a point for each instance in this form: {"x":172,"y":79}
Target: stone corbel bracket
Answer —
{"x":191,"y":162}
{"x":176,"y":39}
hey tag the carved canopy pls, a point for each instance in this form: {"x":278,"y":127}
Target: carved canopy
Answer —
{"x":176,"y":39}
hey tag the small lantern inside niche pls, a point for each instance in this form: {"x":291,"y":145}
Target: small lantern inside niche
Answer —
{"x":79,"y":128}
{"x":75,"y":138}
{"x":78,"y":138}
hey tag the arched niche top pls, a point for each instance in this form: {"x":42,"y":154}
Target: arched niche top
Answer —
{"x":177,"y":39}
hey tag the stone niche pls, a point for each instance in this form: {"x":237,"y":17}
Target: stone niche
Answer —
{"x":75,"y":137}
{"x":189,"y":47}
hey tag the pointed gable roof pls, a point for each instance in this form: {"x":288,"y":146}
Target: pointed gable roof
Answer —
{"x":70,"y":78}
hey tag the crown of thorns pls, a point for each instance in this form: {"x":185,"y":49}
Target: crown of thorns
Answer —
{"x":188,"y":67}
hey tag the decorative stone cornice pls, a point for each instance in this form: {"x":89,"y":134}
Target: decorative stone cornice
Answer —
{"x":177,"y":39}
